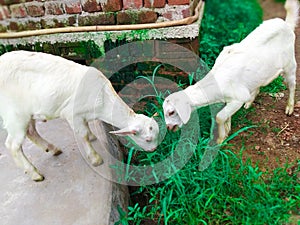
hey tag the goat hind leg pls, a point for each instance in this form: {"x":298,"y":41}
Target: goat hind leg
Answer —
{"x":253,"y":96}
{"x":34,"y":136}
{"x":14,"y":144}
{"x":290,"y":79}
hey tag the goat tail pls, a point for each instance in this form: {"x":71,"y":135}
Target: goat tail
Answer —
{"x":292,"y":12}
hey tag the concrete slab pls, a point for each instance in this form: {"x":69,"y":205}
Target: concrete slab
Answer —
{"x":72,"y":192}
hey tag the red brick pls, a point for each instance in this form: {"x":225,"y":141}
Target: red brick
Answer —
{"x":126,"y":17}
{"x":10,"y":2}
{"x":132,"y":4}
{"x":90,"y":6}
{"x":33,"y":25}
{"x":21,"y":25}
{"x":168,"y":15}
{"x":186,"y":12}
{"x":156,"y":3}
{"x":35,"y":9}
{"x":54,"y":8}
{"x":136,"y":17}
{"x":13,"y":25}
{"x":98,"y":18}
{"x":147,"y":17}
{"x":73,"y":7}
{"x":58,"y":21}
{"x":178,"y":2}
{"x":112,"y":6}
{"x":3,"y":27}
{"x":4,"y":12}
{"x":18,"y":11}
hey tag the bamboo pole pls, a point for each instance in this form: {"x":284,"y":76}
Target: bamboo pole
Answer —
{"x":186,"y":21}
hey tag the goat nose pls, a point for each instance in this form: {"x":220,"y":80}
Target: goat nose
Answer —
{"x":170,"y":127}
{"x":149,"y":139}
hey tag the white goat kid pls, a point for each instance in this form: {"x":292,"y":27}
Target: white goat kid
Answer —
{"x":39,"y":86}
{"x":239,"y":71}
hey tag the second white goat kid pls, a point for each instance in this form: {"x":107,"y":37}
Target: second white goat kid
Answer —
{"x":39,"y":86}
{"x":238,"y":73}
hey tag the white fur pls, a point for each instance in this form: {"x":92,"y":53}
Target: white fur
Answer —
{"x":39,"y":86}
{"x":239,"y":71}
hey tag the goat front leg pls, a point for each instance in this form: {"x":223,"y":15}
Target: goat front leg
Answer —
{"x":223,"y":119}
{"x":34,"y":136}
{"x":82,"y":130}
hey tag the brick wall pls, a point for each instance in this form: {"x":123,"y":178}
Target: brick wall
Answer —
{"x":19,"y":15}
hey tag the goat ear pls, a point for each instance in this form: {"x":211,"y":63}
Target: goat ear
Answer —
{"x":184,"y":110}
{"x":124,"y":132}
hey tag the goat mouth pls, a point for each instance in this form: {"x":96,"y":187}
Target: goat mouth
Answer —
{"x":175,"y":128}
{"x":172,"y":128}
{"x":151,"y":150}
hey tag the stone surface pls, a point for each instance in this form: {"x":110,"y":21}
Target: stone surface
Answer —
{"x":73,"y":192}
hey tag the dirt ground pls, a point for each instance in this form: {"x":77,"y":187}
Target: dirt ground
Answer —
{"x":276,"y":140}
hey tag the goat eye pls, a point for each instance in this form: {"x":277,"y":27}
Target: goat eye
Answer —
{"x":171,"y":113}
{"x":150,"y":128}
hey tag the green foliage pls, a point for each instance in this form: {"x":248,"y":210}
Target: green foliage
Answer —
{"x":229,"y":191}
{"x":225,"y":23}
{"x":276,"y":86}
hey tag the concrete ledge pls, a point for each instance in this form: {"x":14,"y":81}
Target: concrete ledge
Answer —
{"x":177,"y":32}
{"x":72,"y":192}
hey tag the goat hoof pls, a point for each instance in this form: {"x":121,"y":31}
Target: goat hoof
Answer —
{"x":37,"y":177}
{"x":56,"y":152}
{"x":247,"y":105}
{"x":289,"y":110}
{"x":92,"y":137}
{"x":220,"y":140}
{"x":96,"y":160}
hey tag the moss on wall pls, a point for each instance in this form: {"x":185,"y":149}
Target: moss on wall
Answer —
{"x":86,"y":50}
